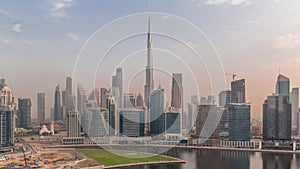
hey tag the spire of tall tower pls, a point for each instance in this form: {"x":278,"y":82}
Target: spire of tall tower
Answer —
{"x":149,"y":43}
{"x":149,"y":86}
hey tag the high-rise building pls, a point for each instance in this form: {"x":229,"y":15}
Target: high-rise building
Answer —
{"x":63,"y":105}
{"x":283,"y":86}
{"x":63,"y":97}
{"x":173,"y":122}
{"x":81,"y":98}
{"x":73,"y":126}
{"x":24,"y":113}
{"x":277,"y":118}
{"x":177,"y":91}
{"x":6,"y":96}
{"x":95,"y":95}
{"x":117,"y":87}
{"x":41,"y":110}
{"x":294,"y":98}
{"x":239,"y":121}
{"x":52,"y":114}
{"x":192,"y":112}
{"x":2,"y":83}
{"x":149,"y":86}
{"x":132,"y":122}
{"x":139,"y":101}
{"x":57,"y":105}
{"x":6,"y":128}
{"x":7,"y":115}
{"x":69,"y":95}
{"x":238,"y":91}
{"x":113,"y":119}
{"x":207,"y":121}
{"x":95,"y":120}
{"x":129,"y":100}
{"x":103,"y":95}
{"x":224,"y":122}
{"x":224,"y":98}
{"x":156,"y":110}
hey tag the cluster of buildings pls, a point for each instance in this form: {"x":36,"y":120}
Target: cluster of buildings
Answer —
{"x":13,"y":115}
{"x":113,"y":113}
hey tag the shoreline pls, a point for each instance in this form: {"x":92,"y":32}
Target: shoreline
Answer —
{"x":102,"y":146}
{"x":241,"y":149}
{"x":171,"y":160}
{"x":146,"y":163}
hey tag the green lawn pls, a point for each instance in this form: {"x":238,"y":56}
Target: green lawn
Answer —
{"x":110,"y":159}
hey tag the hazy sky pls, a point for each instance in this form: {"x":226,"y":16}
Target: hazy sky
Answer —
{"x":40,"y":41}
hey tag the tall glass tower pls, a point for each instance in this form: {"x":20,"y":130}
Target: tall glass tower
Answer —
{"x":283,"y":86}
{"x":149,"y":68}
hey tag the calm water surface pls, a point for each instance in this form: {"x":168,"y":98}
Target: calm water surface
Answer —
{"x":215,"y":159}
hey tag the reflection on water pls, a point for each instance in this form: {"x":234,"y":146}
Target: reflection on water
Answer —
{"x":215,"y":159}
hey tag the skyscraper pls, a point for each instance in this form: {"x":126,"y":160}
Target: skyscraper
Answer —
{"x":224,"y":98}
{"x":177,"y":91}
{"x":294,"y":98}
{"x":24,"y":113}
{"x":149,"y":86}
{"x":139,"y":101}
{"x":238,"y":94}
{"x":239,"y":122}
{"x":129,"y":100}
{"x":6,"y":96}
{"x":63,"y":97}
{"x":113,"y":119}
{"x":206,"y":121}
{"x":41,"y":111}
{"x":157,"y":112}
{"x":173,"y":122}
{"x":192,"y":109}
{"x":69,"y":95}
{"x":283,"y":86}
{"x":132,"y":122}
{"x":6,"y":128}
{"x":117,"y":87}
{"x":95,"y":120}
{"x":103,"y":94}
{"x":57,"y":107}
{"x":63,"y":104}
{"x":277,"y":118}
{"x":73,"y":126}
{"x":81,"y":98}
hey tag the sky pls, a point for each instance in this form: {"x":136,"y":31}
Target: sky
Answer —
{"x":40,"y":42}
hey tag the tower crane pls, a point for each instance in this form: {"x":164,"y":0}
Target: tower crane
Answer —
{"x":231,"y":74}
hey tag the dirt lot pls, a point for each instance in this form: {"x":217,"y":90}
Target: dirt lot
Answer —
{"x":44,"y":158}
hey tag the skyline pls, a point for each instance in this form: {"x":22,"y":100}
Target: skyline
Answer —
{"x":274,"y":46}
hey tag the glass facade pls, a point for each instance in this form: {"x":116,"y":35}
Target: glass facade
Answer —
{"x":239,"y":122}
{"x":132,"y":122}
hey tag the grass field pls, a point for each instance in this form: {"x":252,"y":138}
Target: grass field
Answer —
{"x":111,"y":159}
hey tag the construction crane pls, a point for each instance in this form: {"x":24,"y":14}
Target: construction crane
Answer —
{"x":231,"y":74}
